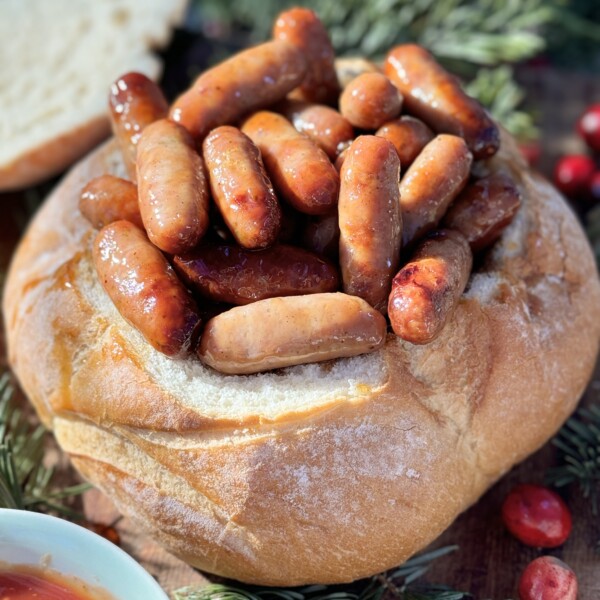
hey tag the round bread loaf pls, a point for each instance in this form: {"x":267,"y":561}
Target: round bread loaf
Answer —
{"x":317,"y":473}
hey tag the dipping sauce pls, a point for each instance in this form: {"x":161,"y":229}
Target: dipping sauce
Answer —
{"x":19,"y":582}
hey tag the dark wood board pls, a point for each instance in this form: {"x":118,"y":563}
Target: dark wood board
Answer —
{"x":489,"y":561}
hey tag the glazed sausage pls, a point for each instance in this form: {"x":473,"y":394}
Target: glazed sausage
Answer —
{"x":434,"y":179}
{"x":484,"y":209}
{"x":248,"y":81}
{"x":370,"y":100}
{"x":302,"y":28}
{"x":145,"y":289}
{"x":172,"y":189}
{"x":135,"y":101}
{"x":408,"y":135}
{"x":426,"y":291}
{"x":300,"y":171}
{"x":107,"y":198}
{"x":237,"y":276}
{"x":433,"y":95}
{"x":370,"y":220}
{"x":322,"y":235}
{"x":348,"y":69}
{"x":240,"y":187}
{"x":281,"y":332}
{"x":322,"y":124}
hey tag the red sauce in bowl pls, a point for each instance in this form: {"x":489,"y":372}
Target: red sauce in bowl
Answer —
{"x":30,"y":583}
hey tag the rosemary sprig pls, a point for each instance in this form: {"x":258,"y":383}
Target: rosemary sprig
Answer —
{"x":398,"y":583}
{"x":25,"y":482}
{"x":579,"y":444}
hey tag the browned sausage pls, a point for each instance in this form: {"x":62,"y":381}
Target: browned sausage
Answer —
{"x":172,"y":189}
{"x":348,"y":69}
{"x":253,"y":79}
{"x":302,"y":28}
{"x":426,"y":291}
{"x":322,"y":235}
{"x":135,"y":101}
{"x":237,"y":276}
{"x":370,"y":100}
{"x":408,"y":135}
{"x":108,"y":198}
{"x":280,"y":332}
{"x":322,"y":124}
{"x":145,"y":289}
{"x":370,"y":220}
{"x":484,"y":209}
{"x":433,"y":95}
{"x":434,"y":179}
{"x":240,"y":187}
{"x":300,"y":171}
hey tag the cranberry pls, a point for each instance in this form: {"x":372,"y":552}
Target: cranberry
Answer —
{"x":572,"y":174}
{"x":537,"y":516}
{"x":595,"y":187}
{"x":547,"y":578}
{"x":589,"y":127}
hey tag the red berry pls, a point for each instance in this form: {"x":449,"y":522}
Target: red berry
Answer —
{"x":589,"y":127}
{"x":547,"y":578}
{"x":595,"y":187}
{"x":572,"y":174}
{"x":537,"y":516}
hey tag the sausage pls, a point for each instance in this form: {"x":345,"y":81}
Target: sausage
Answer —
{"x":145,"y":289}
{"x":348,"y":69}
{"x":426,"y":291}
{"x":250,"y":80}
{"x":135,"y":101}
{"x":322,"y":124}
{"x":107,"y":198}
{"x":236,"y":276}
{"x":435,"y":96}
{"x":300,"y":171}
{"x":322,"y":235}
{"x":408,"y":135}
{"x":240,"y":187}
{"x":281,"y":332}
{"x":484,"y":209}
{"x":434,"y":179}
{"x":172,"y":189}
{"x":302,"y":28}
{"x":370,"y":100}
{"x":370,"y":220}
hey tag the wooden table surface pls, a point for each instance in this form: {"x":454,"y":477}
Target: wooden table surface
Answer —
{"x":489,"y":561}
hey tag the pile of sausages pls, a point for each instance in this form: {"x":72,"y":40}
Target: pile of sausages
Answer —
{"x":260,"y":231}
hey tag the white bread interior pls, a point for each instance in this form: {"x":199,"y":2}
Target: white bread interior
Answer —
{"x":58,"y":60}
{"x":317,"y":473}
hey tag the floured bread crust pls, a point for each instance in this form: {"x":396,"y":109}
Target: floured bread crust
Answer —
{"x":317,"y":473}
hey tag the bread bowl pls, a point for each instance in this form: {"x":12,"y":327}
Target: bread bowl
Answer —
{"x":316,"y":473}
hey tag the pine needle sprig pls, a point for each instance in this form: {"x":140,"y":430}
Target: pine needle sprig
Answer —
{"x":579,"y":444}
{"x":397,"y":583}
{"x":25,"y":482}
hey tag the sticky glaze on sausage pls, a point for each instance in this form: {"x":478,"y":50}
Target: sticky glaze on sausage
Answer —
{"x":281,"y":332}
{"x":300,"y":171}
{"x":370,"y":220}
{"x":172,"y":188}
{"x":426,"y":291}
{"x":135,"y":101}
{"x":250,"y":80}
{"x":236,"y":276}
{"x":240,"y":187}
{"x":408,"y":135}
{"x":107,"y":198}
{"x":145,"y":289}
{"x":435,"y":96}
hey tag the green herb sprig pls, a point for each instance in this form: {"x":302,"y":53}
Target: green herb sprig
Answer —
{"x":579,"y":444}
{"x":398,"y":583}
{"x":25,"y":482}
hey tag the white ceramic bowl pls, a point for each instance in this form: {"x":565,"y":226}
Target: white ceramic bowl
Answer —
{"x":29,"y":538}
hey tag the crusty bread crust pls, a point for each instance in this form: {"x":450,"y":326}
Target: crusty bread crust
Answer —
{"x":358,"y":463}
